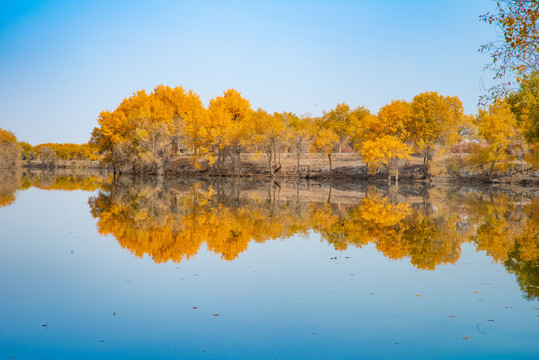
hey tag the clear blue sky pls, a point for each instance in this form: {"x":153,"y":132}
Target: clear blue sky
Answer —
{"x":62,"y":62}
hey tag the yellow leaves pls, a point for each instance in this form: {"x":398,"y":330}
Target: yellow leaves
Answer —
{"x":384,"y":150}
{"x":7,"y":136}
{"x":10,"y":151}
{"x":394,"y":119}
{"x":378,"y":211}
{"x":498,"y":128}
{"x":325,"y":141}
{"x":141,"y":123}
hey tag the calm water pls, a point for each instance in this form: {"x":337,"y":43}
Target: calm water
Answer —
{"x":177,"y":270}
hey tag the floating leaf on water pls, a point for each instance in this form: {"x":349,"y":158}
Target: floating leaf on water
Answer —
{"x":195,"y":307}
{"x":217,"y":314}
{"x":467,"y":337}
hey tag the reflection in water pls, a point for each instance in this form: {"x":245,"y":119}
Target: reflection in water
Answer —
{"x":14,"y":180}
{"x":9,"y":184}
{"x":172,"y":221}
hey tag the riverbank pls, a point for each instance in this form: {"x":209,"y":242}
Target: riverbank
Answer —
{"x":346,"y":166}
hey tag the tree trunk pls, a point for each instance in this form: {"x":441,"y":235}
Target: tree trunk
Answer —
{"x":491,"y":172}
{"x":330,"y":166}
{"x":238,"y":154}
{"x":426,"y":163}
{"x":269,"y":163}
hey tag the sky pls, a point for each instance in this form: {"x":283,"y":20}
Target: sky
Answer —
{"x":63,"y":62}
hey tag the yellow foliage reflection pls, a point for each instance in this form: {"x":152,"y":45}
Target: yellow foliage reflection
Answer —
{"x":173,"y":221}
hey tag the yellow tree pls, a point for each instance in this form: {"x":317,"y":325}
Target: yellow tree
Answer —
{"x":324,"y":142}
{"x":145,"y":129}
{"x":300,"y":134}
{"x":10,"y":151}
{"x":394,"y":119}
{"x":498,"y":128}
{"x":383,"y":138}
{"x":341,"y":121}
{"x":387,"y":151}
{"x":228,"y":115}
{"x":267,"y":131}
{"x":525,"y":104}
{"x":434,"y":124}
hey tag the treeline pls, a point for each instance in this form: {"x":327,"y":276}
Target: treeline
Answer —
{"x":14,"y":152}
{"x":146,"y":131}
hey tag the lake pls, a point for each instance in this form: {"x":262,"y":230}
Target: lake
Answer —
{"x":100,"y":268}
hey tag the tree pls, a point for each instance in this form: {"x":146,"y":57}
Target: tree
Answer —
{"x":267,"y":131}
{"x":387,"y":151}
{"x":434,"y":124}
{"x":143,"y":132}
{"x":381,"y":139}
{"x":324,"y":142}
{"x":340,"y":120}
{"x":525,"y":105}
{"x":515,"y":53}
{"x":300,"y":134}
{"x":10,"y":151}
{"x":228,"y":117}
{"x":497,"y":127}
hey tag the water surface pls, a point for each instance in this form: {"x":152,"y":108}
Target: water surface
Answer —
{"x":184,"y":269}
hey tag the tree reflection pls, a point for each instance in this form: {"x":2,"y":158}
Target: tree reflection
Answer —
{"x":171,"y":221}
{"x":13,"y":180}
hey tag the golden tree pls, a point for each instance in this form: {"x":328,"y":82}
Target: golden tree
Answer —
{"x":267,"y":132}
{"x":10,"y":151}
{"x":383,"y":138}
{"x":229,"y":115}
{"x":498,"y":128}
{"x":300,"y":134}
{"x":434,"y":124}
{"x":387,"y":151}
{"x":146,"y":129}
{"x":341,"y":121}
{"x":324,"y":142}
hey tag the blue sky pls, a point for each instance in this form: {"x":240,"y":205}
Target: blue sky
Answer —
{"x":62,"y":62}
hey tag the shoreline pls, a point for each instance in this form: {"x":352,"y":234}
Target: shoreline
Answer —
{"x":348,"y":167}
